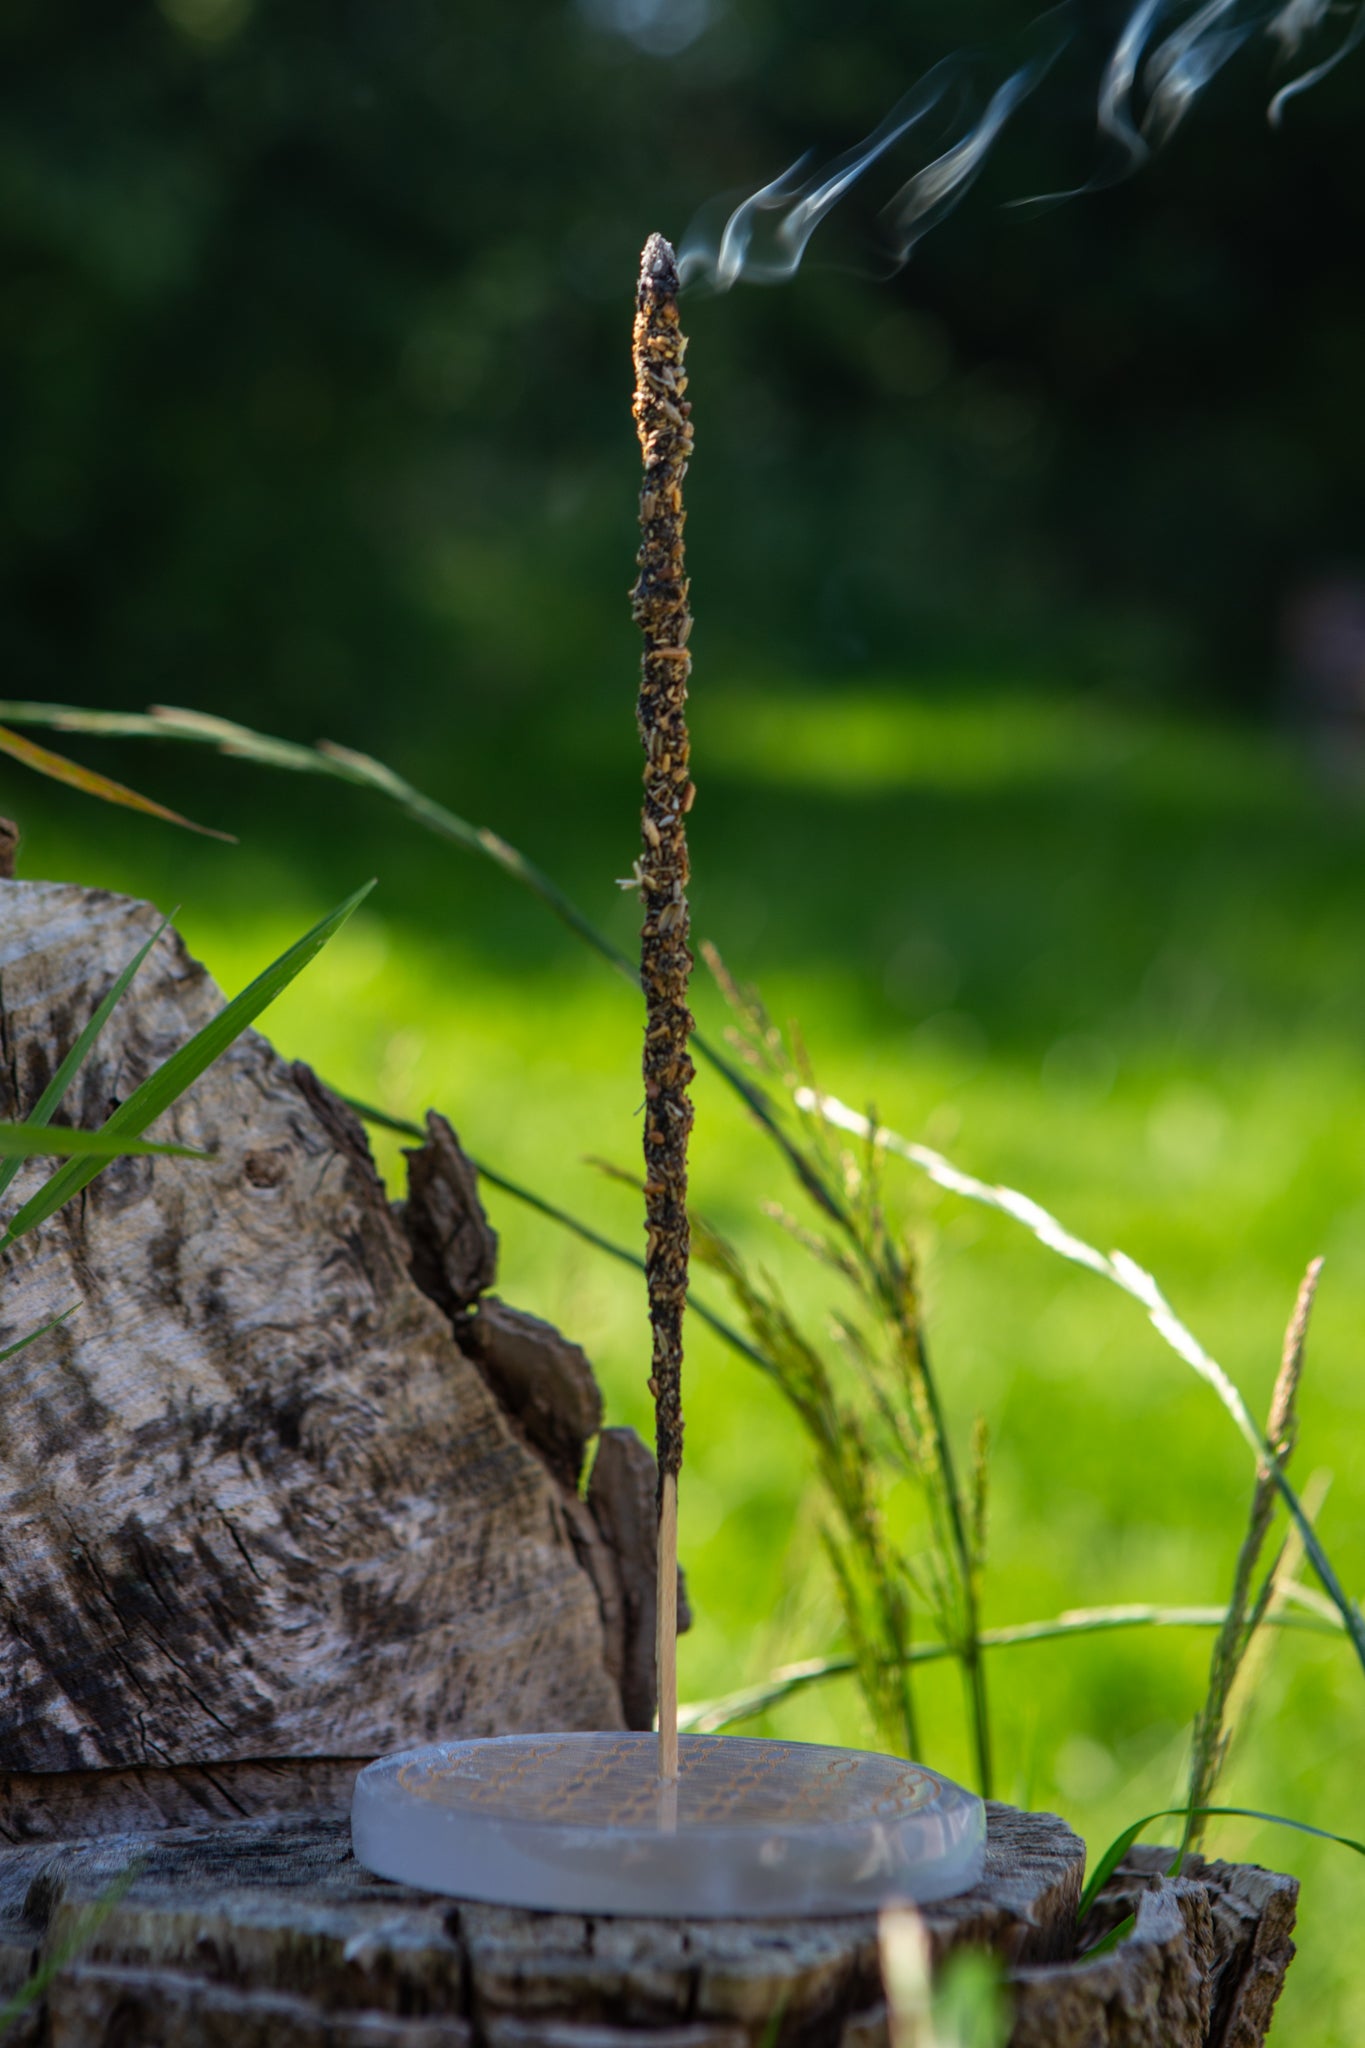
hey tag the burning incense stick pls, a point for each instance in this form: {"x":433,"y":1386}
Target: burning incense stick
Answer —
{"x":659,"y":606}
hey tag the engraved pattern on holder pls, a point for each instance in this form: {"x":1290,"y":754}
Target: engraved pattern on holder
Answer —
{"x":601,"y":1782}
{"x":581,"y":1823}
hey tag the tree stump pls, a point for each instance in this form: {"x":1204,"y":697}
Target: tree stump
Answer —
{"x":256,"y":1931}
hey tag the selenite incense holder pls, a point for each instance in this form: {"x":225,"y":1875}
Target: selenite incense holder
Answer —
{"x":583,"y":1824}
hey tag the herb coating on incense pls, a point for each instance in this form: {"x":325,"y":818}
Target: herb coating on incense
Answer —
{"x":659,"y":606}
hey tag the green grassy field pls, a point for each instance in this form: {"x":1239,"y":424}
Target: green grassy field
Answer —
{"x":1112,"y":958}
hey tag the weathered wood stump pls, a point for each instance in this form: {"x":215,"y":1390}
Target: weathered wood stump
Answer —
{"x":267,"y":1931}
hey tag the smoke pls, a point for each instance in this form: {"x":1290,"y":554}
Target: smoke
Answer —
{"x":1179,"y":67}
{"x":1166,"y":55}
{"x":1292,"y":27}
{"x":801,"y":202}
{"x":661,"y":28}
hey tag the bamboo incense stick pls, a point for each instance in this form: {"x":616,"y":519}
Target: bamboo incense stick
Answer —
{"x":659,"y":606}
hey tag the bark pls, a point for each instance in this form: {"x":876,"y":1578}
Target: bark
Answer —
{"x":1202,"y":1967}
{"x":255,"y":1499}
{"x":454,"y":1249}
{"x":1153,"y":1991}
{"x":542,"y":1379}
{"x":57,"y":1806}
{"x":1253,"y":1918}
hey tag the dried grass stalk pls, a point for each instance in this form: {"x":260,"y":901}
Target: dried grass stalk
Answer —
{"x":1245,"y":1613}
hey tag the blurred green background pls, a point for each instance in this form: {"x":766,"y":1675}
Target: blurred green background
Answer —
{"x":1028,"y":679}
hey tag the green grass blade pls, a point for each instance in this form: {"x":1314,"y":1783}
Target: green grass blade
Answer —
{"x":706,"y":1717}
{"x":339,"y":764}
{"x":50,"y":1099}
{"x":196,"y":727}
{"x":54,"y":1141}
{"x":184,"y":1067}
{"x":32,"y":1336}
{"x":1111,"y":1939}
{"x":402,"y":1126}
{"x":1122,"y":1843}
{"x":83,"y":1932}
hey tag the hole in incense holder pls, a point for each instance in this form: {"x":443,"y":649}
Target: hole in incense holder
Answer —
{"x":581,"y":1824}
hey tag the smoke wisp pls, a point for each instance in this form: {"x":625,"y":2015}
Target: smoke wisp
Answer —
{"x":1166,"y":55}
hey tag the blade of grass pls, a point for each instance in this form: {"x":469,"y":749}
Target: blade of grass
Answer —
{"x":184,"y":1066}
{"x":48,"y":1141}
{"x":1278,"y":1587}
{"x":50,"y":1099}
{"x":1134,"y":1281}
{"x":57,"y":768}
{"x":83,"y":1932}
{"x":401,"y":1126}
{"x":1213,"y":1725}
{"x":32,"y":1336}
{"x":1122,"y":1843}
{"x":704,"y":1717}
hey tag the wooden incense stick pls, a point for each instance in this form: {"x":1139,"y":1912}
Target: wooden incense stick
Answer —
{"x":659,"y":606}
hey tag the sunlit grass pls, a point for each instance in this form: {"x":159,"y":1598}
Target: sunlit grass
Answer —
{"x":1112,"y":960}
{"x":966,"y":735}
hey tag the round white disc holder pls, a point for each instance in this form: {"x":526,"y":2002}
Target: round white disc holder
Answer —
{"x":583,"y":1824}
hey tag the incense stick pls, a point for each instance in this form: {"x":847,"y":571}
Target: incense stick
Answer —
{"x":666,"y":1638}
{"x":659,"y":606}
